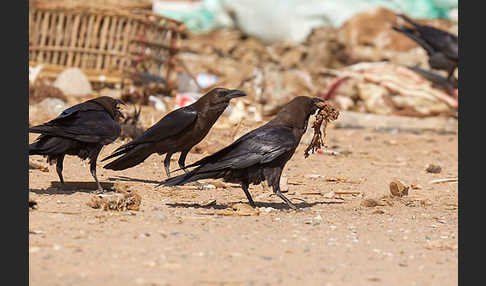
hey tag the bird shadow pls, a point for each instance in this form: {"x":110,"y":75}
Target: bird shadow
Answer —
{"x":278,"y":206}
{"x":199,"y":206}
{"x":300,"y":206}
{"x":128,"y":179}
{"x":73,"y":187}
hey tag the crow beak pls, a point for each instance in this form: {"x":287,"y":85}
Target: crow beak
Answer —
{"x":235,"y":93}
{"x":318,"y":102}
{"x":120,"y":102}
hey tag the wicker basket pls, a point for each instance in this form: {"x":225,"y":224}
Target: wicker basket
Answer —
{"x":109,"y":45}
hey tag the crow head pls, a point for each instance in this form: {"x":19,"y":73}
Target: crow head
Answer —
{"x":296,"y":113}
{"x":111,"y":106}
{"x":220,"y":97}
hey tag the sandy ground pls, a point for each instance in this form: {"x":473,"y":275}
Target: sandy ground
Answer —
{"x":191,"y":236}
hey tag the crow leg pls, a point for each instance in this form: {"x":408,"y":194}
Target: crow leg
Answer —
{"x":167,"y":164}
{"x":245,"y":186}
{"x":276,"y":190}
{"x":59,"y":164}
{"x":92,"y":168}
{"x":182,"y":160}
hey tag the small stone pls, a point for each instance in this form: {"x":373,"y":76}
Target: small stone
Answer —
{"x":415,"y":186}
{"x":398,"y":188}
{"x":435,"y":169}
{"x":369,"y":203}
{"x":244,"y":209}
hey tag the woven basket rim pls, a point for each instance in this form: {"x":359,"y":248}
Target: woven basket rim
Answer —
{"x":136,"y":13}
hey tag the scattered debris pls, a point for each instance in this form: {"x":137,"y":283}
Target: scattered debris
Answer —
{"x":245,"y":209}
{"x":398,"y":188}
{"x":219,"y":184}
{"x":120,"y":200}
{"x":387,"y":88}
{"x":39,"y":91}
{"x":157,"y":103}
{"x":36,"y":166}
{"x":184,"y":99}
{"x":445,"y":180}
{"x":326,"y":114}
{"x":311,"y":193}
{"x":73,"y":81}
{"x":371,"y":203}
{"x":354,"y":193}
{"x":359,"y":120}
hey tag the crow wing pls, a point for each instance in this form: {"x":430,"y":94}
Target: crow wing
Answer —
{"x":91,"y":126}
{"x":259,"y":146}
{"x":75,"y":109}
{"x":170,"y":125}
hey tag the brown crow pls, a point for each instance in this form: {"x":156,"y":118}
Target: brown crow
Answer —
{"x":258,"y":155}
{"x":81,"y":130}
{"x":441,"y":46}
{"x":178,"y":131}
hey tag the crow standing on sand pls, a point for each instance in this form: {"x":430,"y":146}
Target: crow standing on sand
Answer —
{"x":441,"y":46}
{"x":178,"y":131}
{"x":258,"y":155}
{"x":81,"y":130}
